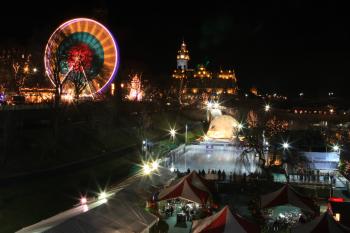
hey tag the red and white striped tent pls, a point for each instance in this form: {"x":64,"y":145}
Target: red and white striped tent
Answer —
{"x":191,"y":188}
{"x":198,"y":181}
{"x":287,"y":195}
{"x":224,"y":222}
{"x":322,"y":224}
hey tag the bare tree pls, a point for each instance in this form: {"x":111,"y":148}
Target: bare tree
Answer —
{"x":55,"y":63}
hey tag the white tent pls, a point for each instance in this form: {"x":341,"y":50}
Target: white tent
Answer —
{"x":123,"y":212}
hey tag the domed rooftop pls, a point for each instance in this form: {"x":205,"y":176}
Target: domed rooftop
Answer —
{"x":223,"y":127}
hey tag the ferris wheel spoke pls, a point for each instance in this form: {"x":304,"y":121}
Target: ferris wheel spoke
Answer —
{"x":66,"y":75}
{"x":87,"y":81}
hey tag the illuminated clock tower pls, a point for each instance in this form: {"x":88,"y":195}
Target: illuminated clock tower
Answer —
{"x":182,"y":57}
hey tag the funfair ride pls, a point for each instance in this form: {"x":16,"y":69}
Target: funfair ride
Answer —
{"x":85,"y":55}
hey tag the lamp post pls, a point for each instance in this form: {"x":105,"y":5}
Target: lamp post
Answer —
{"x":286,"y":146}
{"x":172,"y":133}
{"x":144,"y":147}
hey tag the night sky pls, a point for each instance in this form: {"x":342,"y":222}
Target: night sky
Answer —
{"x":290,"y":47}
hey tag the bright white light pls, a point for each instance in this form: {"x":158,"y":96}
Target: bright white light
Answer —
{"x":267,"y":107}
{"x":143,"y":142}
{"x":172,"y":169}
{"x":209,"y":105}
{"x":35,"y":70}
{"x":154,"y":165}
{"x":336,"y":148}
{"x":172,"y":133}
{"x":240,"y":126}
{"x":146,"y":169}
{"x":285,"y":145}
{"x":102,"y":195}
{"x":266,"y":143}
{"x":216,"y":105}
{"x":83,"y":200}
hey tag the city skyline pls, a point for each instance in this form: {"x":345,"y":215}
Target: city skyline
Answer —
{"x":289,"y":48}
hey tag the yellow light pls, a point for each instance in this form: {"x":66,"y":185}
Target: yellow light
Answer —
{"x":146,"y":169}
{"x":102,"y":195}
{"x":337,"y":217}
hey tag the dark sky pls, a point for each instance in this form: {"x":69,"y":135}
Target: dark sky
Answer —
{"x":290,"y":46}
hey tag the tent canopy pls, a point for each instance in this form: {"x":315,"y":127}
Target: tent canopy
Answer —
{"x":184,"y":190}
{"x":287,"y":195}
{"x":322,"y":224}
{"x":191,"y":187}
{"x":224,"y":222}
{"x":123,"y":212}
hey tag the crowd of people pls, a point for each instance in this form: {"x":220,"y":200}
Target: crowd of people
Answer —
{"x":221,"y":175}
{"x":311,"y":176}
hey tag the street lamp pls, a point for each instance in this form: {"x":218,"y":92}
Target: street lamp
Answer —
{"x":83,"y":200}
{"x":267,"y":107}
{"x":209,"y":105}
{"x":285,"y":145}
{"x":336,"y":148}
{"x":144,"y":147}
{"x":240,"y":126}
{"x":172,"y":133}
{"x":146,"y":169}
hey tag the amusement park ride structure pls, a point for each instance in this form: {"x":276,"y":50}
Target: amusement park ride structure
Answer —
{"x":84,"y":54}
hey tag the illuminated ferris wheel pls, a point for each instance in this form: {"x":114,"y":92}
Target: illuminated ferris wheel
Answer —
{"x":81,"y":56}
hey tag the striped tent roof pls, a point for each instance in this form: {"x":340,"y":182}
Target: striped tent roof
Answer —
{"x":224,"y":222}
